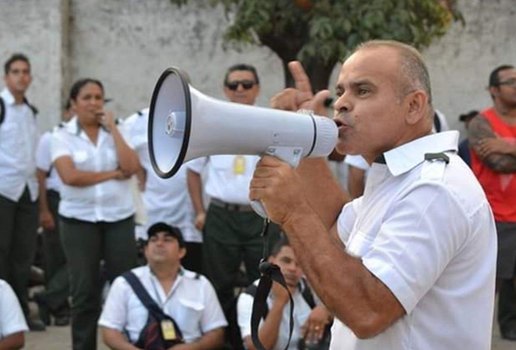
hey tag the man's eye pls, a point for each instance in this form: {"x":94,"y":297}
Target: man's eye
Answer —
{"x":363,"y":91}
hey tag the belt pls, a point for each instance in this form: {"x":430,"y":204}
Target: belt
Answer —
{"x":231,"y":207}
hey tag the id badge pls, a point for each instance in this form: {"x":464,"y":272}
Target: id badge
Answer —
{"x":168,"y":330}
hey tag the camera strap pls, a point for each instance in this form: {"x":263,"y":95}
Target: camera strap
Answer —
{"x":269,"y":273}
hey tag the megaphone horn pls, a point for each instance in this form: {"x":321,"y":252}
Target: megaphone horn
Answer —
{"x":185,"y":124}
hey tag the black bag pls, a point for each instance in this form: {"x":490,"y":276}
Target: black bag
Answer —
{"x":160,"y":331}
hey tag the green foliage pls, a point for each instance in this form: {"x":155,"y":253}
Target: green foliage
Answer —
{"x":325,"y":31}
{"x":329,"y":29}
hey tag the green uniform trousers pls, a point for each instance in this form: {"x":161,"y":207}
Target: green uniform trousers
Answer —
{"x":85,"y":245}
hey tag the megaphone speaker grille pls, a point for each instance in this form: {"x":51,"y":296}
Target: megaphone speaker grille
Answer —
{"x":169,"y":122}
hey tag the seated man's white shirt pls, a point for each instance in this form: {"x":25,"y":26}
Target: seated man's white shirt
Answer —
{"x":425,"y":229}
{"x":301,"y":312}
{"x":11,"y":315}
{"x":227,"y":176}
{"x":191,"y":302}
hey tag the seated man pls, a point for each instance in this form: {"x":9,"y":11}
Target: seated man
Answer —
{"x":310,"y":321}
{"x":12,"y":321}
{"x":188,"y":298}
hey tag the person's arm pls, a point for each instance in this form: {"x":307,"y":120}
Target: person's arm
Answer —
{"x":314,"y":327}
{"x":496,"y":153}
{"x":194,"y":182}
{"x":269,"y":330}
{"x":369,"y":307}
{"x":356,"y":181}
{"x":115,"y":340}
{"x":46,"y":220}
{"x":71,"y":176}
{"x":211,"y":340}
{"x":13,"y":341}
{"x":127,"y":158}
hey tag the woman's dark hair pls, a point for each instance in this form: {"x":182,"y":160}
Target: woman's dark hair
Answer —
{"x":79,"y":84}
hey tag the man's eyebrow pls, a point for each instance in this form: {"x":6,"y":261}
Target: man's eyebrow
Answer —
{"x":354,"y":83}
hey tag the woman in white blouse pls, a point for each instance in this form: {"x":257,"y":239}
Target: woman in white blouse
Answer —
{"x":96,"y":209}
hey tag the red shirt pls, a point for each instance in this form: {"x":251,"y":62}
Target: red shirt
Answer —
{"x":500,"y":188}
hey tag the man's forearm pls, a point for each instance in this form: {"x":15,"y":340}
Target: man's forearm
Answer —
{"x":209,"y":341}
{"x":116,"y":340}
{"x":194,"y":183}
{"x":343,"y":283}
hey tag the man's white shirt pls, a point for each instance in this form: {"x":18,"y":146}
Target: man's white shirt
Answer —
{"x":301,"y":313}
{"x":18,"y":140}
{"x":11,"y":315}
{"x":44,"y":162}
{"x":425,"y":229}
{"x":191,"y":302}
{"x":227,"y":176}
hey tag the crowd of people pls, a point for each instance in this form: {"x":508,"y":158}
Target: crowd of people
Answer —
{"x":406,"y":259}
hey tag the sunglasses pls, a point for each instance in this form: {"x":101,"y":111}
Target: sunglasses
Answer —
{"x":246,"y":84}
{"x":509,"y":82}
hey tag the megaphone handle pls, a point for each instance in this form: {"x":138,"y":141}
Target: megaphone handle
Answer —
{"x":290,"y":155}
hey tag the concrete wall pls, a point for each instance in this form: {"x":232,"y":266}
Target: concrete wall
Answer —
{"x":128,"y":43}
{"x":38,"y":29}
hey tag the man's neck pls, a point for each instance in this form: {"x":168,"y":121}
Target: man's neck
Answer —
{"x":18,"y":97}
{"x":506,"y":112}
{"x":166,"y":275}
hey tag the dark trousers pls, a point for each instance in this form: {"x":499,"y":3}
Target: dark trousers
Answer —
{"x":57,"y":287}
{"x":507,"y":304}
{"x":193,"y":258}
{"x":230,"y":239}
{"x":85,"y":245}
{"x":18,"y":233}
{"x":506,"y":275}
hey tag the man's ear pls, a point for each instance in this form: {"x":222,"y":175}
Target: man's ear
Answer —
{"x":182,"y":252}
{"x":417,"y":106}
{"x":493,"y":90}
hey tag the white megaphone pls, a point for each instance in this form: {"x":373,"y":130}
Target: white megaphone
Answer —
{"x":185,"y":124}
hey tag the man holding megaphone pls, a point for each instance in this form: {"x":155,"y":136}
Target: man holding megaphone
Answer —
{"x":411,"y":263}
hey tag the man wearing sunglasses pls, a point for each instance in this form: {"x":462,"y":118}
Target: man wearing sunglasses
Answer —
{"x":231,"y":229}
{"x":492,"y":137}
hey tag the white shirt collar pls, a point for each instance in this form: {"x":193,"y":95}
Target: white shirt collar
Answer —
{"x":407,"y":156}
{"x":7,"y":96}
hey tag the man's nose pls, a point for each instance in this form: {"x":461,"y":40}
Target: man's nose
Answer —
{"x":342,"y":104}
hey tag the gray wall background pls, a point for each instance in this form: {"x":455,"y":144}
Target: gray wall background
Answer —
{"x":128,"y":43}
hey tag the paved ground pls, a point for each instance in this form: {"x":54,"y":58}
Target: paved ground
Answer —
{"x":56,"y":338}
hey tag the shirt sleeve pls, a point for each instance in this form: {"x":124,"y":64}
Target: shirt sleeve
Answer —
{"x":58,"y":146}
{"x":412,"y":247}
{"x":212,"y":317}
{"x":244,"y":311}
{"x":43,"y":155}
{"x":346,"y":219}
{"x":11,"y":316}
{"x":114,"y":313}
{"x":197,"y":165}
